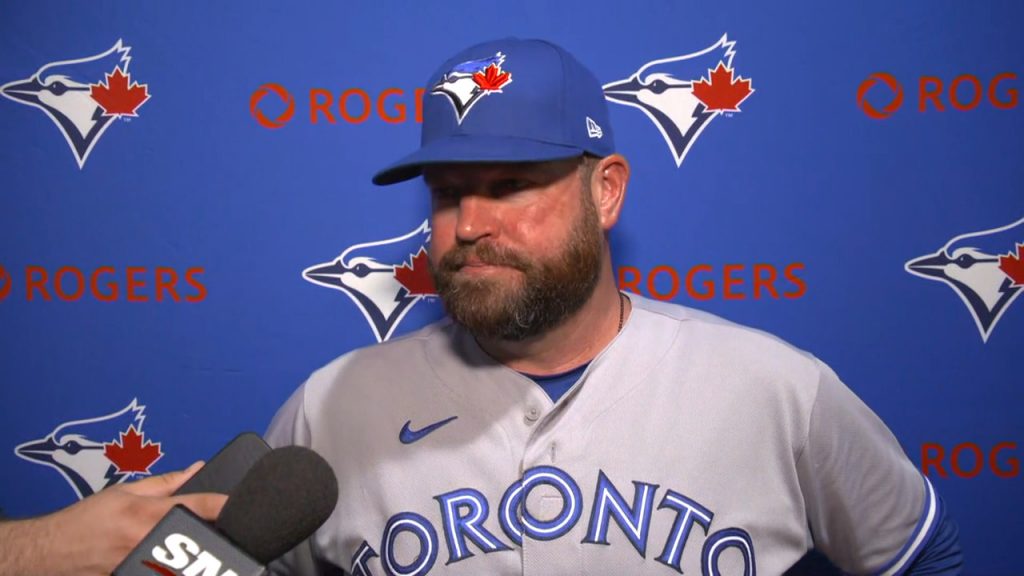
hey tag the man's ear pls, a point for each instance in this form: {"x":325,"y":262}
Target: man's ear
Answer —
{"x":608,"y":188}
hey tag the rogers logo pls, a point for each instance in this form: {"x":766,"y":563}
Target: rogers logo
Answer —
{"x":107,"y":284}
{"x":282,"y":118}
{"x":894,"y":103}
{"x":350,"y":106}
{"x":5,"y":283}
{"x":969,"y":459}
{"x":704,"y":282}
{"x":964,"y":92}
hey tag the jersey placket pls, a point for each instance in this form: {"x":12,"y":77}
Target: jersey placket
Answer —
{"x":547,"y":516}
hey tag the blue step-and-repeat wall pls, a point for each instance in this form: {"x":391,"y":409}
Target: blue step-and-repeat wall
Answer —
{"x":849,"y":176}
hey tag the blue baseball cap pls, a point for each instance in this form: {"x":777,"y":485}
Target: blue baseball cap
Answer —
{"x":509,"y":100}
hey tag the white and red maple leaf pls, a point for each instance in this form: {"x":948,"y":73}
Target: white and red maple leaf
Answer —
{"x":132,"y":453}
{"x":415,"y":276}
{"x":118,"y":96}
{"x":722,"y":92}
{"x":492,"y":79}
{"x":1013,"y":266}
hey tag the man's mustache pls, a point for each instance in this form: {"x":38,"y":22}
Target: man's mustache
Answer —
{"x":489,"y":254}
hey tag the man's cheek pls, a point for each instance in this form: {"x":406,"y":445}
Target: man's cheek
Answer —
{"x":442,"y":232}
{"x":435,"y":252}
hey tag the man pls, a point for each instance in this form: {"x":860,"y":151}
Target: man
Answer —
{"x":554,"y":425}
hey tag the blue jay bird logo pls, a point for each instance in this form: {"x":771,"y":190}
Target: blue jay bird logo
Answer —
{"x":466,"y":83}
{"x":82,"y":96}
{"x":384,"y":278}
{"x":94,"y":453}
{"x":675,"y":95}
{"x":985,"y":269}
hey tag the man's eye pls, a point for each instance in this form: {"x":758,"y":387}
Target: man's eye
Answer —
{"x":509,"y":186}
{"x":443,"y":194}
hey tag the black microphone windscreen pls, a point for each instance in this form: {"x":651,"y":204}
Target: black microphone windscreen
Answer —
{"x":283,"y":499}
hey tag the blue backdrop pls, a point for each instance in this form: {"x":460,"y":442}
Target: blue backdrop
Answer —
{"x":175,"y":173}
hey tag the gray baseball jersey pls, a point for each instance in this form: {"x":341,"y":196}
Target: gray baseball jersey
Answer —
{"x":690,"y":445}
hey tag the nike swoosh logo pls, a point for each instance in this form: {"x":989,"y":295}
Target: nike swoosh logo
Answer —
{"x":408,"y":435}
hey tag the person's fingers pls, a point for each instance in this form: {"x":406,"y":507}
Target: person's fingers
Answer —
{"x":206,"y":505}
{"x":164,"y":484}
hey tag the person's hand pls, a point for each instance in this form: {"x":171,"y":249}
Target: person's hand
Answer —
{"x":94,"y":535}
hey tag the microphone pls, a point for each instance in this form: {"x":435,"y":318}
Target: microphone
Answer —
{"x":228,"y":466}
{"x":283,"y":499}
{"x":287,"y":495}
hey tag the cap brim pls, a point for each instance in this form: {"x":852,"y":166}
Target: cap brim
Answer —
{"x":475,"y":148}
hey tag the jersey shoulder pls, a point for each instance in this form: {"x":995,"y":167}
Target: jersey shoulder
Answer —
{"x":721,"y":341}
{"x":359,"y":378}
{"x":380,"y":360}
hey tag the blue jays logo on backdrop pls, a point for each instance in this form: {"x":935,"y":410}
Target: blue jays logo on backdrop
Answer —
{"x":94,"y":453}
{"x":82,"y":96}
{"x":985,"y":269}
{"x":385,"y":279}
{"x":466,"y":83}
{"x":675,"y":95}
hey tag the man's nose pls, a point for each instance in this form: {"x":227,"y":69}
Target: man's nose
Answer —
{"x":477,"y":218}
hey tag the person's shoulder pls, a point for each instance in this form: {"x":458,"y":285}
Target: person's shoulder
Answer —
{"x":718,"y":340}
{"x":384,"y":354}
{"x":362,"y":373}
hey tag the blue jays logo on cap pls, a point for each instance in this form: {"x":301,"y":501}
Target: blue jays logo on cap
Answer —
{"x":94,"y":453}
{"x":985,"y":269}
{"x":675,"y":95}
{"x":466,"y":83}
{"x":384,"y":278}
{"x":82,"y":96}
{"x":555,"y":109}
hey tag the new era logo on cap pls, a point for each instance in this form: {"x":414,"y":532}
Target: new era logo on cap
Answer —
{"x":593,"y":129}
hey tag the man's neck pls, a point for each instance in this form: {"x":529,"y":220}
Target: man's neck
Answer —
{"x":573,"y":342}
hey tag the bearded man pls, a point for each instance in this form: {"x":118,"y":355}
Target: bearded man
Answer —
{"x":552,"y":424}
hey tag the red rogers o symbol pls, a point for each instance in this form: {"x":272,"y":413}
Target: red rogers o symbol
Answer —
{"x":283,"y":94}
{"x":5,"y":283}
{"x":894,"y":105}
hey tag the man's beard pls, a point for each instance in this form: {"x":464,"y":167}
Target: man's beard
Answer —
{"x":551,"y":290}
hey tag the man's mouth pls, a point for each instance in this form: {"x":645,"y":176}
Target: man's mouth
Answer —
{"x":482,"y":267}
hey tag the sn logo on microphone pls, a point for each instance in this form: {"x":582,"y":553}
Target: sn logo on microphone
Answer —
{"x":183,"y":553}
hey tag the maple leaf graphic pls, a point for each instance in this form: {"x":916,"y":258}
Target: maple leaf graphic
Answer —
{"x":116,"y":97}
{"x":1013,"y":266}
{"x":416,"y":278}
{"x":492,"y":79}
{"x":723,"y":92}
{"x":131,"y":454}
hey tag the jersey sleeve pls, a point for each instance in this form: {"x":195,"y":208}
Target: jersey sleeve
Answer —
{"x":869,"y":509}
{"x":289,"y":427}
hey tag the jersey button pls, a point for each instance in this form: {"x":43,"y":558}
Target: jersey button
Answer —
{"x":532,"y":415}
